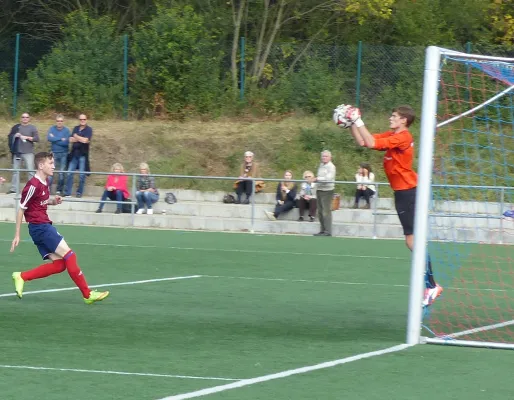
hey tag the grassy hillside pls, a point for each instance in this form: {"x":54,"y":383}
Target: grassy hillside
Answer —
{"x":216,"y":148}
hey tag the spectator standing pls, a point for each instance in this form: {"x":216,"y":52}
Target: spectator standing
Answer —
{"x":59,"y":137}
{"x":325,"y":192}
{"x":79,"y":158}
{"x":21,"y":144}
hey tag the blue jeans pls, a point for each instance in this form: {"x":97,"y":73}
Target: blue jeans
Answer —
{"x":112,"y":195}
{"x":75,"y":162}
{"x":60,"y":164}
{"x":146,"y":198}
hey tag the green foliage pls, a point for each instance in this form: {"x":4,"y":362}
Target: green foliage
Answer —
{"x":5,"y":94}
{"x":83,"y":73}
{"x":312,"y":79}
{"x":177,"y":65}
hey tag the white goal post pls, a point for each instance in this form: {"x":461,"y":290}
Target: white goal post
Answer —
{"x":483,"y":113}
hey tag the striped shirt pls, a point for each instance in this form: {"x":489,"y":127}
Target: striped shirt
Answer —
{"x":146,"y":182}
{"x":34,"y":201}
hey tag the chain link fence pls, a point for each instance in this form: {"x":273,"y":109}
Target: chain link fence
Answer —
{"x":305,"y":76}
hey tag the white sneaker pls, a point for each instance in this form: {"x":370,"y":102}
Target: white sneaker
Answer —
{"x":149,"y":211}
{"x":432,"y":294}
{"x":270,"y":215}
{"x":140,"y":211}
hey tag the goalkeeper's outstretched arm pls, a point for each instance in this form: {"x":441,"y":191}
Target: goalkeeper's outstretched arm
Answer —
{"x":362,"y":135}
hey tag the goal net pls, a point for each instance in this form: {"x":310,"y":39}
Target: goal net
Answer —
{"x":471,"y":169}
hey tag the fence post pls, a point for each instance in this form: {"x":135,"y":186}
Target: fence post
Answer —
{"x":358,"y":80}
{"x":15,"y":86}
{"x":132,"y":206}
{"x":252,"y":228}
{"x":125,"y":76}
{"x":242,"y":70}
{"x":375,"y":208}
{"x":468,"y":75}
{"x":502,"y":206}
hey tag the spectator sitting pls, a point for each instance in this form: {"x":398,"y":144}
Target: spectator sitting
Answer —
{"x":364,"y":177}
{"x":115,"y":188}
{"x":307,"y":196}
{"x":147,"y":193}
{"x":286,"y":195}
{"x":249,"y":169}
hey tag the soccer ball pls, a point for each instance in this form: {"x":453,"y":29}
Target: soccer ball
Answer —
{"x":340,"y":116}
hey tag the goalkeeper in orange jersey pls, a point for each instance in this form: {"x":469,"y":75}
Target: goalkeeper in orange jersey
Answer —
{"x":398,"y":145}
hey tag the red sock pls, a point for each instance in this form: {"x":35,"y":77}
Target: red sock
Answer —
{"x":44,"y":270}
{"x":76,"y":274}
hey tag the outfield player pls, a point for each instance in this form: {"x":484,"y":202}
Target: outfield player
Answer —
{"x":35,"y":199}
{"x":398,"y":145}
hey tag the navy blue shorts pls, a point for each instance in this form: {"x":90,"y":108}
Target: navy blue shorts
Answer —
{"x":45,"y":237}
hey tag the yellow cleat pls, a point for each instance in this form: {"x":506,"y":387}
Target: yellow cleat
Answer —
{"x":95,"y":296}
{"x":18,"y":284}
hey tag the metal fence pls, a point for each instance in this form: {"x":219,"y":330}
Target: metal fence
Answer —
{"x":455,"y":214}
{"x":308,"y":76}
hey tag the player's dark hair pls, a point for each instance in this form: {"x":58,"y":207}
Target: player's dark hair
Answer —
{"x":406,"y":112}
{"x":40,"y":157}
{"x":366,"y":166}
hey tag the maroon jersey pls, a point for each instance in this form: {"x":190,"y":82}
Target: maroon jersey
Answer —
{"x":34,"y":200}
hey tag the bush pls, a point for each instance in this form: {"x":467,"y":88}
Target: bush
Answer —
{"x":176,"y":65}
{"x":5,"y":94}
{"x":83,"y":72}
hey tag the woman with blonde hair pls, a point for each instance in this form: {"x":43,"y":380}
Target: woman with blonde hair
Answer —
{"x":286,"y":196}
{"x":115,"y":188}
{"x":147,"y":193}
{"x":307,"y":196}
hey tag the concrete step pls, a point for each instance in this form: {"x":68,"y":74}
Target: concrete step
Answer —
{"x":183,"y":222}
{"x":187,"y":222}
{"x":220,"y":210}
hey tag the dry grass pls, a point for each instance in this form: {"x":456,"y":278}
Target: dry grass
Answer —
{"x":213,"y":148}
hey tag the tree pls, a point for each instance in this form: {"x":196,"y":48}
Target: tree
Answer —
{"x":176,"y":64}
{"x":83,"y":72}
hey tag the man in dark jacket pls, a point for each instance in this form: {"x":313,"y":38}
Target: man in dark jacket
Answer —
{"x":21,"y":144}
{"x":80,"y":139}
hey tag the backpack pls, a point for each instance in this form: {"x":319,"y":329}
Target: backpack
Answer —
{"x":126,"y":207}
{"x":170,"y":198}
{"x":229,"y":199}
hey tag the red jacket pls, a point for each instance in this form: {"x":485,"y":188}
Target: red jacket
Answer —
{"x":119,"y":182}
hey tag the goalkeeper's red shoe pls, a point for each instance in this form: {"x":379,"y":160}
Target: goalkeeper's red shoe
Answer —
{"x":431,"y":294}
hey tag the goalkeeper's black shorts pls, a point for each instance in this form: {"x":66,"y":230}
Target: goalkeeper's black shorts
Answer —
{"x":405,"y":203}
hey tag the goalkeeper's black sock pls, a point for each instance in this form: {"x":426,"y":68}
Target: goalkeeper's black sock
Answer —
{"x":429,"y":275}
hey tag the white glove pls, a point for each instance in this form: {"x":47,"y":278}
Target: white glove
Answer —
{"x":353,"y":114}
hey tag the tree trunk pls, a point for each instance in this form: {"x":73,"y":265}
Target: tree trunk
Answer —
{"x":237,"y":17}
{"x":278,"y":22}
{"x":258,"y":47}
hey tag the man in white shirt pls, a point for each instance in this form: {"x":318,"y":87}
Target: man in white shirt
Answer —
{"x":325,"y":192}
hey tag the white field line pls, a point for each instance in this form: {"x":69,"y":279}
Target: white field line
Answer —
{"x":116,"y":373}
{"x":284,"y":374}
{"x":480,"y":329}
{"x":175,"y":278}
{"x":229,"y":250}
{"x":340,"y":282}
